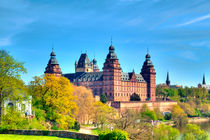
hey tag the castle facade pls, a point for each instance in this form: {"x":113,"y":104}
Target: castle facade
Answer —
{"x":117,"y":85}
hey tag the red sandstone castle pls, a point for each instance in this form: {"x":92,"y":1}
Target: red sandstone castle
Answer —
{"x":117,"y":85}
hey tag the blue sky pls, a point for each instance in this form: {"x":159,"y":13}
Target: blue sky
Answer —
{"x":177,"y":34}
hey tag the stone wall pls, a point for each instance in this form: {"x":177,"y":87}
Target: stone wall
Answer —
{"x":164,"y":106}
{"x":63,"y":134}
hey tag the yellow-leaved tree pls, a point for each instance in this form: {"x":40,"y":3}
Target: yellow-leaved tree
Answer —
{"x":55,"y":96}
{"x":85,"y":102}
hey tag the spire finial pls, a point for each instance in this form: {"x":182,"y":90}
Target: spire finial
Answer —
{"x":147,"y":50}
{"x":111,"y":40}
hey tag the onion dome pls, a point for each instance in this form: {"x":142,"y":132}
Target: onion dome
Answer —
{"x":53,"y":59}
{"x":111,"y":54}
{"x":148,"y":62}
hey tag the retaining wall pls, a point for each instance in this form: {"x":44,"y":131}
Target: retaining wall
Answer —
{"x":57,"y":133}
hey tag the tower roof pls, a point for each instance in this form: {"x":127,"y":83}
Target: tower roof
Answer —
{"x":204,"y":81}
{"x":53,"y":59}
{"x":148,"y":62}
{"x":167,"y":79}
{"x":111,"y":54}
{"x":83,"y":60}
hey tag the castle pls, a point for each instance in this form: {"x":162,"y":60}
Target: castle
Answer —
{"x":118,"y":86}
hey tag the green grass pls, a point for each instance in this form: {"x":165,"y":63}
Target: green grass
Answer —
{"x":27,"y":137}
{"x":95,"y":131}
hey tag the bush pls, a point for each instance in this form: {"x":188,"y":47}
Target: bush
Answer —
{"x":194,"y":132}
{"x":76,"y":126}
{"x":103,"y":98}
{"x":40,"y":114}
{"x":116,"y":134}
{"x":13,"y":120}
{"x":167,"y":116}
{"x":165,"y":132}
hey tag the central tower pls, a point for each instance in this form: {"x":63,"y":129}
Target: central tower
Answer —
{"x":111,"y":75}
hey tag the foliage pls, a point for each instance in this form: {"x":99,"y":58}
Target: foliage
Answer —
{"x":178,"y":116}
{"x":103,"y":98}
{"x":102,"y":114}
{"x":55,"y":96}
{"x":194,"y":132}
{"x":134,"y":97}
{"x":11,"y":86}
{"x":158,"y":114}
{"x":167,"y":116}
{"x":84,"y":102}
{"x":76,"y":126}
{"x":188,"y":109}
{"x":165,"y":132}
{"x":13,"y":119}
{"x":147,"y":114}
{"x":40,"y":114}
{"x":116,"y":134}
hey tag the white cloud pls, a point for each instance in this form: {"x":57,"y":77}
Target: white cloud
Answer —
{"x":5,"y":41}
{"x":196,"y":20}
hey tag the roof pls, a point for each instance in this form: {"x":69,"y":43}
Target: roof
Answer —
{"x":83,"y":60}
{"x":127,"y":76}
{"x":84,"y":76}
{"x":98,"y":76}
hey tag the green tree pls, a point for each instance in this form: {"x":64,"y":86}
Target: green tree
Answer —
{"x":11,"y":85}
{"x":102,"y":114}
{"x":103,"y":98}
{"x":134,"y":97}
{"x":193,"y":132}
{"x":165,"y":132}
{"x":178,"y":116}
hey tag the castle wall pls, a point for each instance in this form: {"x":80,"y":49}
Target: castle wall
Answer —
{"x":164,"y":106}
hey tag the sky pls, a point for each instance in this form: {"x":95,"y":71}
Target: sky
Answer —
{"x":176,"y":32}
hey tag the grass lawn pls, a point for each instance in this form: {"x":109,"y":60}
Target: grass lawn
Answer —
{"x":95,"y":131}
{"x":27,"y":137}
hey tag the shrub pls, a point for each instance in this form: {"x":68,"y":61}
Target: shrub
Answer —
{"x":165,"y":132}
{"x":194,"y":132}
{"x":76,"y":126}
{"x":167,"y":116}
{"x":103,"y":98}
{"x":116,"y":134}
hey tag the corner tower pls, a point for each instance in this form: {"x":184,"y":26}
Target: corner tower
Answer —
{"x":149,"y":75}
{"x":53,"y":66}
{"x":111,"y":75}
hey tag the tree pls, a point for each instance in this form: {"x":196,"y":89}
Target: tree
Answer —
{"x":85,"y":102}
{"x":194,"y":132}
{"x":103,"y":98}
{"x":134,"y":97}
{"x":188,"y":109}
{"x":178,"y":116}
{"x":165,"y":132}
{"x":103,"y":114}
{"x":11,"y":85}
{"x":55,"y":96}
{"x":130,"y":122}
{"x":147,"y":114}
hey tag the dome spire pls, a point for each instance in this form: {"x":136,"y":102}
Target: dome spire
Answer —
{"x":204,"y":81}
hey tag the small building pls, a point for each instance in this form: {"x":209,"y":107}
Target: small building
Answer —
{"x":24,"y":106}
